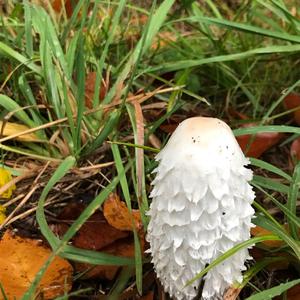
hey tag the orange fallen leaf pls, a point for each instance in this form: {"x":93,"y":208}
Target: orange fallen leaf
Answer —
{"x":90,"y":83}
{"x":94,"y":234}
{"x":259,"y":231}
{"x":256,"y":145}
{"x":295,"y":149}
{"x":294,"y":293}
{"x":68,"y":4}
{"x":291,"y":101}
{"x":21,"y":259}
{"x":118,"y":215}
{"x":99,"y":235}
{"x":122,"y":247}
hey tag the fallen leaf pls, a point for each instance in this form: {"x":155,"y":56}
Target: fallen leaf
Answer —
{"x":231,"y":293}
{"x":2,"y":214}
{"x":163,"y":39}
{"x":5,"y":177}
{"x":99,"y":235}
{"x":90,"y":83}
{"x":21,"y":260}
{"x":294,"y":293}
{"x":256,"y":145}
{"x":67,"y":4}
{"x":118,"y":215}
{"x":148,"y":296}
{"x":295,"y":149}
{"x":122,"y":247}
{"x":291,"y":101}
{"x":8,"y":129}
{"x":259,"y":231}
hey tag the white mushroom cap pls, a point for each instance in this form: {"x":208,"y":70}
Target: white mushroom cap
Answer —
{"x":201,"y":208}
{"x":204,"y":141}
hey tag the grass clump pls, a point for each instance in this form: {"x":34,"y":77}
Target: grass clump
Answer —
{"x":102,"y":82}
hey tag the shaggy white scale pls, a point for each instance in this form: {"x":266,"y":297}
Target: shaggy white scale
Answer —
{"x":201,"y":208}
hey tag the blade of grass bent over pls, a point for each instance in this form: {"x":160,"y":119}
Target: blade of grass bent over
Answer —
{"x":126,"y":194}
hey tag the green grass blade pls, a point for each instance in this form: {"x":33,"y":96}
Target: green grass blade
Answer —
{"x":94,"y":257}
{"x":250,"y":29}
{"x":28,"y":29}
{"x":183,"y":64}
{"x":283,"y":208}
{"x":111,"y":36}
{"x":3,"y":294}
{"x":80,"y":72}
{"x":269,"y":167}
{"x":259,"y":265}
{"x":155,"y":22}
{"x":279,"y":231}
{"x":232,"y":251}
{"x":274,"y":291}
{"x":59,"y":173}
{"x":29,"y":154}
{"x":270,"y":184}
{"x":270,"y":128}
{"x":292,"y":201}
{"x":12,"y":106}
{"x":7,"y":51}
{"x":126,"y":194}
{"x":120,"y":283}
{"x":105,"y":132}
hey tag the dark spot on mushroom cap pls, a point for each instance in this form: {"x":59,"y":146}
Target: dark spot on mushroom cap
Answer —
{"x":223,"y":213}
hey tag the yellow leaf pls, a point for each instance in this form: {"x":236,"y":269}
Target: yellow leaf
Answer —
{"x":5,"y":177}
{"x":2,"y":214}
{"x":14,"y":128}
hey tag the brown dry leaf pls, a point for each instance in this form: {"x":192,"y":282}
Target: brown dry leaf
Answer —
{"x":8,"y":128}
{"x":98,"y":235}
{"x":256,"y":145}
{"x":163,"y":40}
{"x":231,"y":293}
{"x":295,"y":149}
{"x":94,"y":234}
{"x":139,"y":140}
{"x":148,"y":296}
{"x":90,"y":83}
{"x":259,"y":231}
{"x":291,"y":101}
{"x":294,"y":293}
{"x":122,"y":247}
{"x":68,"y":4}
{"x":118,"y":215}
{"x":21,"y":259}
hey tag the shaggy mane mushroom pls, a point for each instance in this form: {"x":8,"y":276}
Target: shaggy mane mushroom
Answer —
{"x":201,"y":207}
